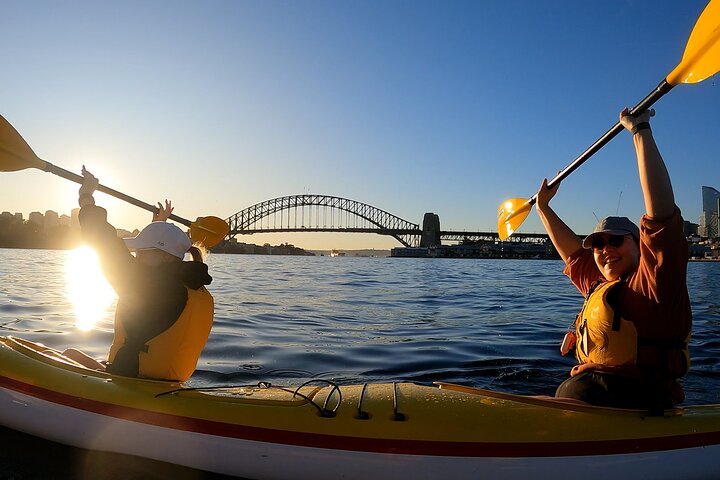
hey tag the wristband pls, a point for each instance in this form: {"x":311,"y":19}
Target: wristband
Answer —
{"x":640,"y":126}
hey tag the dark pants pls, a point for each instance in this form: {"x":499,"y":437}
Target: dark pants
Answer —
{"x":612,"y":390}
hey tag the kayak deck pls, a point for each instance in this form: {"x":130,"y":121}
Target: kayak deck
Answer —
{"x":452,"y":426}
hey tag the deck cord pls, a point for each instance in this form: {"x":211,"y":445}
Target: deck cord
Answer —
{"x":398,"y":417}
{"x":361,"y":415}
{"x":324,"y":412}
{"x":216,"y":387}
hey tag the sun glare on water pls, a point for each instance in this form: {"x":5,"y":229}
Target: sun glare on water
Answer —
{"x":87,"y":287}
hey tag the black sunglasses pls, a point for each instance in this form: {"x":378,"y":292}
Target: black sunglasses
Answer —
{"x":599,"y":243}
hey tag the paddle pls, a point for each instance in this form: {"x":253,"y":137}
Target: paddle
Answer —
{"x":16,"y":154}
{"x":700,"y":60}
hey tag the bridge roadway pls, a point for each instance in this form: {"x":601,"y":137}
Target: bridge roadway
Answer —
{"x":326,"y":213}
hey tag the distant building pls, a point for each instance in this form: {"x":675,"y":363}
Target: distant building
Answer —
{"x":709,"y":219}
{"x":12,"y":217}
{"x":37,"y":218}
{"x":52,"y":220}
{"x":74,"y":221}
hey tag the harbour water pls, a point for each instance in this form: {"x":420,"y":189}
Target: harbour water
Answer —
{"x":489,"y":323}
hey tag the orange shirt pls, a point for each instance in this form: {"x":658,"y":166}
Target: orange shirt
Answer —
{"x":655,"y":297}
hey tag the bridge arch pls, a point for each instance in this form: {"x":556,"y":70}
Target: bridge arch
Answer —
{"x":274,"y":216}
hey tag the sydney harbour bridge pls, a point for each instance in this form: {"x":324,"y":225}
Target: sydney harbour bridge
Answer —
{"x":326,"y":213}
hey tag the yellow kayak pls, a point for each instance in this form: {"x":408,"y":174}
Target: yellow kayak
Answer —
{"x":325,"y":431}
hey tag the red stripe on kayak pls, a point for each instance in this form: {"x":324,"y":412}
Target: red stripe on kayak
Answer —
{"x":371,"y":445}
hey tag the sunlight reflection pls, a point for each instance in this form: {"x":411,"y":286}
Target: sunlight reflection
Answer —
{"x":87,"y":287}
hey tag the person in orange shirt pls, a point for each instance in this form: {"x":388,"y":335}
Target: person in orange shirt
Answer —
{"x":633,"y":331}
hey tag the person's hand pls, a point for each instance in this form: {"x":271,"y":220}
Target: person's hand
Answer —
{"x":545,"y":194}
{"x":163,"y":213}
{"x":88,"y":187}
{"x":629,"y":122}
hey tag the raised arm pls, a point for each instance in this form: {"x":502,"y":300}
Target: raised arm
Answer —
{"x":116,"y":261}
{"x":654,"y":178}
{"x":565,"y":240}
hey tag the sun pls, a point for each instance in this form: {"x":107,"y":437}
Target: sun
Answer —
{"x":87,"y":288}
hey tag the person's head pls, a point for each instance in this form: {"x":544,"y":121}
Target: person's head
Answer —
{"x":158,"y":243}
{"x":615,"y":246}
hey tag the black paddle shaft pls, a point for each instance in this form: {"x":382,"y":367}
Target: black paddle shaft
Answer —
{"x":61,"y":172}
{"x":663,"y":88}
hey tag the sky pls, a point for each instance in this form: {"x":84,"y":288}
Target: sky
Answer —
{"x":411,"y":106}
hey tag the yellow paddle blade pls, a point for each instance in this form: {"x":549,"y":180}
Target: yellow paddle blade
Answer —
{"x":208,"y":231}
{"x":511,"y":214}
{"x":702,"y":52}
{"x":15,"y":153}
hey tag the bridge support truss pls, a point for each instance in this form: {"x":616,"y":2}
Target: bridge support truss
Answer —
{"x":321,"y":213}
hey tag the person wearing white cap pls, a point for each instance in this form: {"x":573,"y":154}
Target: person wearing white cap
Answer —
{"x":631,"y":336}
{"x":164,"y":312}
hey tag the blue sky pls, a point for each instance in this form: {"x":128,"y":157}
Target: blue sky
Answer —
{"x":411,"y":106}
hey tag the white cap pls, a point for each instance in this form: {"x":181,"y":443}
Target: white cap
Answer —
{"x":163,"y":236}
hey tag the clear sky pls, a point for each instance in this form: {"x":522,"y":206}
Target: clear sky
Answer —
{"x":412,"y":106}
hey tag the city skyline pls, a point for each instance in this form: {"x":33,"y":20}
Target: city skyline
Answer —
{"x":413,"y":107}
{"x":707,"y":225}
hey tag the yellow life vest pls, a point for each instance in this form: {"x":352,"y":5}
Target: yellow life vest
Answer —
{"x":173,"y":354}
{"x":603,"y":336}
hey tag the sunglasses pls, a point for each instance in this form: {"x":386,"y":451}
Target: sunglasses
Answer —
{"x":599,"y":243}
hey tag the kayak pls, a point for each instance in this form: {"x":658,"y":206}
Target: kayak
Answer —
{"x":321,"y":430}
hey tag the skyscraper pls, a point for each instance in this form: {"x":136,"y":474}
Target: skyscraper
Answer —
{"x":711,"y":208}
